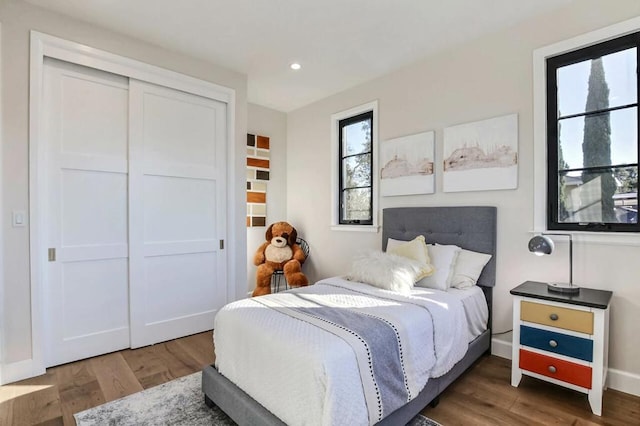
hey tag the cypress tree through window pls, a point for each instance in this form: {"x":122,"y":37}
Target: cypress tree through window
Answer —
{"x":592,"y":137}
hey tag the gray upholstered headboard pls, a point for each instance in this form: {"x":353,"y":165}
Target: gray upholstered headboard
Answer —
{"x":472,"y":228}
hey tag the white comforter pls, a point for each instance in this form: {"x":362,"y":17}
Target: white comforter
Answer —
{"x":306,"y":375}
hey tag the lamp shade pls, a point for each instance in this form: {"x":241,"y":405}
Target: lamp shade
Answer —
{"x":540,"y":245}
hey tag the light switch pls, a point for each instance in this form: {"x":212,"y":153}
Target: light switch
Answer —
{"x":19,"y":218}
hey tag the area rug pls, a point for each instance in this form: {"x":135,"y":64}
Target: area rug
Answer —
{"x":179,"y":402}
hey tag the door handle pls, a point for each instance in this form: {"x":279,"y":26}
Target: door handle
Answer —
{"x":52,"y":254}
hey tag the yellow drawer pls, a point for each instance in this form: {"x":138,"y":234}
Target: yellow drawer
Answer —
{"x":554,"y":316}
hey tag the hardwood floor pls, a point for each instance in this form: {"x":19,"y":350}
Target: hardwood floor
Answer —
{"x":482,"y":396}
{"x":53,"y":398}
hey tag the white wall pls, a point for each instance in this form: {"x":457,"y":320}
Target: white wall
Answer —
{"x":268,"y":122}
{"x":488,"y":77}
{"x":18,"y":18}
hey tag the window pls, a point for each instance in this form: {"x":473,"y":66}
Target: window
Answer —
{"x":354,"y":169}
{"x":592,"y":118}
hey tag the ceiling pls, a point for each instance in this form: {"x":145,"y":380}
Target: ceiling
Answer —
{"x":340,"y":43}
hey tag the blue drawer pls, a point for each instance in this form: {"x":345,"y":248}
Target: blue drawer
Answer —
{"x":574,"y":347}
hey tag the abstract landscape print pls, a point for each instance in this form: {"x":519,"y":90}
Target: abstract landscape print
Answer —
{"x":482,"y":155}
{"x":407,"y":165}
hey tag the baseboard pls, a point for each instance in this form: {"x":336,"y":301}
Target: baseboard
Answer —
{"x":619,"y":380}
{"x":14,"y":371}
{"x":624,"y":381}
{"x":501,"y":348}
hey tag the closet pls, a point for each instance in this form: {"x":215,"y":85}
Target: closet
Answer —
{"x":135,"y":184}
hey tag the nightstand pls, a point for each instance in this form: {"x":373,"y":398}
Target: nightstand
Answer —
{"x":562,"y":339}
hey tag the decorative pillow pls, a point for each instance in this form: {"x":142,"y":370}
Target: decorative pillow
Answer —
{"x":415,"y":249}
{"x":387,"y":271}
{"x":469,"y":266}
{"x":443,"y":259}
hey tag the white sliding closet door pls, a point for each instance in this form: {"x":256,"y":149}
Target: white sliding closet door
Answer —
{"x":177,"y":212}
{"x":86,"y":303}
{"x":135,"y":212}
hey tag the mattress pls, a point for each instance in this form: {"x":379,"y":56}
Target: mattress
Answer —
{"x":258,"y":339}
{"x":475,"y":309}
{"x":474,"y":304}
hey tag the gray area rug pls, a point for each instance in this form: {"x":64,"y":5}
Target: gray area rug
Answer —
{"x":178,"y":402}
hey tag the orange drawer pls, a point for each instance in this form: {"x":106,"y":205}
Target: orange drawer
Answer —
{"x":565,"y":371}
{"x":555,"y":316}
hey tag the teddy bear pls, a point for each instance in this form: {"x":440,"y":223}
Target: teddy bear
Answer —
{"x":279,"y":253}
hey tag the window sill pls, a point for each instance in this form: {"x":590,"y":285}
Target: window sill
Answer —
{"x":356,"y":228}
{"x":605,"y":238}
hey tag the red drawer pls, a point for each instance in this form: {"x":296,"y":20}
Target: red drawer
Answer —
{"x":565,"y":371}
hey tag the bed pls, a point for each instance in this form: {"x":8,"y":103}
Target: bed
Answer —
{"x":472,"y":228}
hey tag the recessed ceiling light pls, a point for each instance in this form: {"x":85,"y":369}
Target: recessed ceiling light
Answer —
{"x":295,"y":66}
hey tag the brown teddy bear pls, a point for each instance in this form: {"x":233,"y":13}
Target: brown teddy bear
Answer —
{"x":279,"y":253}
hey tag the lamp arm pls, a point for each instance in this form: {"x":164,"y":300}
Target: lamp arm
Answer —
{"x":570,"y":254}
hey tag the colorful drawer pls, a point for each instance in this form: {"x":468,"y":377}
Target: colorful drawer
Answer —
{"x":555,"y":316}
{"x":577,"y":374}
{"x":561,"y":339}
{"x":563,"y":344}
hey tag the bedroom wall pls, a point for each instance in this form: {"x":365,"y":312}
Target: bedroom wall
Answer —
{"x":488,"y":77}
{"x":268,"y":122}
{"x":18,"y":18}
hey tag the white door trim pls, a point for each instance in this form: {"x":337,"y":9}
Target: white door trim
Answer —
{"x":43,"y":45}
{"x":3,"y":320}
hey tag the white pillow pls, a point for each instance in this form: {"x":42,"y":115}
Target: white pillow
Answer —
{"x":443,"y":259}
{"x":469,"y":266}
{"x":386,"y":270}
{"x":415,"y":249}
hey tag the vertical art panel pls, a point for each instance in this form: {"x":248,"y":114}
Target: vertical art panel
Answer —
{"x":257,"y":177}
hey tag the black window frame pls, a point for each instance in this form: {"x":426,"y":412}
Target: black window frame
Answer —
{"x":552,"y":121}
{"x":368,"y":115}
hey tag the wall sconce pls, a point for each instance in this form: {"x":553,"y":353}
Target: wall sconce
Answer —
{"x":541,"y":245}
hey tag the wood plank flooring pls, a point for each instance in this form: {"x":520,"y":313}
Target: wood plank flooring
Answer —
{"x":53,"y":398}
{"x":482,"y":396}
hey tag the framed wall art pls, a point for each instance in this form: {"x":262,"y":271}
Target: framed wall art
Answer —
{"x":481,"y":156}
{"x":407,"y":165}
